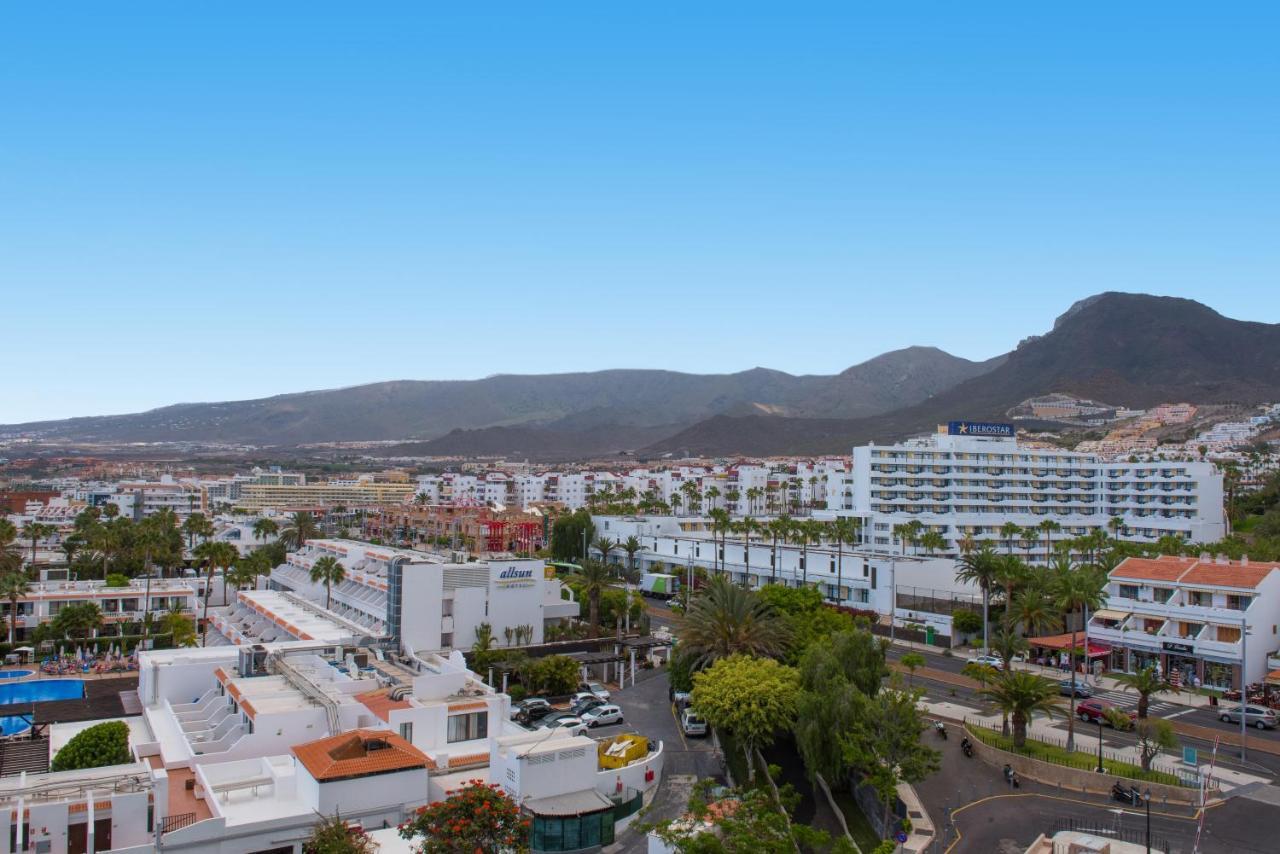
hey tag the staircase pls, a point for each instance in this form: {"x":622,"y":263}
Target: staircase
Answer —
{"x":24,"y":754}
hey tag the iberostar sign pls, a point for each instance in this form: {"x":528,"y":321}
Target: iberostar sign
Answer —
{"x":980,"y":428}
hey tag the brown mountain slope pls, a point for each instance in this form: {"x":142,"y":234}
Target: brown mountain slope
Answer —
{"x":1129,"y":349}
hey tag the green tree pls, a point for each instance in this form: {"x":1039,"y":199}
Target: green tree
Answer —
{"x":36,"y":531}
{"x":1077,"y":589}
{"x":328,"y":570}
{"x":216,"y":555}
{"x":1154,"y":735}
{"x":725,"y":620}
{"x":569,"y":535}
{"x":912,"y":661}
{"x":751,"y":698}
{"x":77,"y":620}
{"x":300,"y":527}
{"x":196,"y":525}
{"x":595,"y":580}
{"x":632,"y":546}
{"x":932,"y":541}
{"x":1050,"y":528}
{"x":179,"y":626}
{"x":96,"y":747}
{"x":1021,"y":696}
{"x":13,"y":586}
{"x":754,"y":824}
{"x":981,"y":567}
{"x":1146,"y":682}
{"x":966,"y":622}
{"x":885,"y":745}
{"x":264,"y":528}
{"x":332,"y":835}
{"x":554,"y":675}
{"x":483,"y":654}
{"x":477,"y":817}
{"x":844,"y":530}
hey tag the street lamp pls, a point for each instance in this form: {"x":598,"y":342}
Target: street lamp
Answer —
{"x":1244,"y":684}
{"x":1098,"y":721}
{"x":1146,"y":799}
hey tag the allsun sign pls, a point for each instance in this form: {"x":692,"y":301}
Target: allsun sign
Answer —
{"x":515,"y":576}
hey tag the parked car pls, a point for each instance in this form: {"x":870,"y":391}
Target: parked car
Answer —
{"x":1081,"y":689}
{"x":605,"y":715}
{"x":1095,"y":709}
{"x":584,"y":702}
{"x":530,"y":709}
{"x":595,"y":688}
{"x":680,"y":698}
{"x":691,"y":724}
{"x":571,"y":724}
{"x":990,"y":659}
{"x":1257,"y":716}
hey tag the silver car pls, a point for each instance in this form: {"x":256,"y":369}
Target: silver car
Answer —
{"x":1257,"y":716}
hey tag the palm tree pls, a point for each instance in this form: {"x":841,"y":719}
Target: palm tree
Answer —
{"x":13,"y":586}
{"x":746,"y":527}
{"x":1077,"y":590}
{"x":1030,"y":536}
{"x":1011,"y":574}
{"x":632,"y":546}
{"x":196,"y":525}
{"x":1010,"y":532}
{"x":725,"y":619}
{"x":753,"y":498}
{"x":595,"y":579}
{"x":720,"y":523}
{"x":932,"y":541}
{"x":1021,"y":695}
{"x":216,"y":555}
{"x":967,"y":543}
{"x":10,"y":551}
{"x":178,"y":624}
{"x":1035,"y":611}
{"x":809,"y":532}
{"x":264,"y":528}
{"x":982,"y":568}
{"x":35,"y":531}
{"x":777,"y":529}
{"x":300,"y":528}
{"x":843,"y":530}
{"x":1050,"y":528}
{"x":1146,"y":682}
{"x":1115,"y":525}
{"x":328,"y":571}
{"x":605,"y":546}
{"x":711,"y":495}
{"x":731,"y":497}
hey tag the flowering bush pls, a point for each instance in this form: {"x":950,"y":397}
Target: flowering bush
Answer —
{"x":479,"y":818}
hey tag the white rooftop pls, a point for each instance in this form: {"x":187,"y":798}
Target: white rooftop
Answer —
{"x":305,"y":622}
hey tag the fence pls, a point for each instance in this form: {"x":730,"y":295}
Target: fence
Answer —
{"x":991,"y":735}
{"x":934,"y":601}
{"x":177,"y":822}
{"x":868,"y":800}
{"x":912,"y":635}
{"x":1131,"y":835}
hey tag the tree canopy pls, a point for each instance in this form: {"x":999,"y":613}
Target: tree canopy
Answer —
{"x":96,"y":747}
{"x":751,"y":698}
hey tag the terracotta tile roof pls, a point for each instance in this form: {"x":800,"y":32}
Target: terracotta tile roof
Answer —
{"x":1244,"y":576}
{"x":1157,"y":569}
{"x":468,"y":759}
{"x":359,"y":753}
{"x":479,"y":706}
{"x":380,"y":703}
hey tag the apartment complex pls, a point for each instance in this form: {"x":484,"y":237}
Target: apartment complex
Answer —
{"x":960,"y":484}
{"x":1186,"y":616}
{"x":44,"y":600}
{"x":365,"y":492}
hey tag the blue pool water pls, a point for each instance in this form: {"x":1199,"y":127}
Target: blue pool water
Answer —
{"x":15,"y":674}
{"x":33,"y":692}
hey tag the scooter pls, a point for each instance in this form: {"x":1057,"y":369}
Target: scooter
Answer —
{"x":1011,"y":776}
{"x":941,"y":729}
{"x":966,"y":746}
{"x":1126,"y":794}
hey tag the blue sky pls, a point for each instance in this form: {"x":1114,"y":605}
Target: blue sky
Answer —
{"x":223,"y":201}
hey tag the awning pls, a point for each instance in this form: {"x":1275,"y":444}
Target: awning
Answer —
{"x":1111,"y":615}
{"x":1273,"y":678}
{"x":574,"y":803}
{"x":1063,"y":642}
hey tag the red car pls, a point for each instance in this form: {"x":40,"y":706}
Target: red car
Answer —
{"x":1094,"y":710}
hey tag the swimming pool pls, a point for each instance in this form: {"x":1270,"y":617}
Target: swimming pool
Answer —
{"x":35,"y":691}
{"x":15,"y":674}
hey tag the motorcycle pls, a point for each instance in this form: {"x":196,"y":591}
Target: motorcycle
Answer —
{"x":1011,"y":776}
{"x":1126,"y":794}
{"x":941,"y":729}
{"x":966,"y":746}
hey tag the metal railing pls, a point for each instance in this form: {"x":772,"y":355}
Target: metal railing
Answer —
{"x":1131,"y":835}
{"x":171,"y":823}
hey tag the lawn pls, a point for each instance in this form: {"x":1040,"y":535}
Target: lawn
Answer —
{"x":1060,"y":756}
{"x":859,"y":828}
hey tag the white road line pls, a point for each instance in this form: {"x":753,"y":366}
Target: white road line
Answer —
{"x":1185,"y":711}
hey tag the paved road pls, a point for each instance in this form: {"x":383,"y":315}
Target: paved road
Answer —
{"x":648,"y":711}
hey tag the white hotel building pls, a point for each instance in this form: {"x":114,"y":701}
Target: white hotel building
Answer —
{"x":960,"y":485}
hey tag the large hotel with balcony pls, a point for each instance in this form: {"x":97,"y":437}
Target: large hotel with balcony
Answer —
{"x":1186,"y":616}
{"x":959,"y":484}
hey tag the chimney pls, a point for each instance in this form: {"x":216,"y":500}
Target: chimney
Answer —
{"x":1221,"y":559}
{"x":1244,"y":560}
{"x":1204,"y":556}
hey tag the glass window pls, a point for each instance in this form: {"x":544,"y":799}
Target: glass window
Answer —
{"x":468,"y":727}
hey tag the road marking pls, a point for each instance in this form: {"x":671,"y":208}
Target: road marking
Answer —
{"x":1181,"y":713}
{"x":679,"y":729}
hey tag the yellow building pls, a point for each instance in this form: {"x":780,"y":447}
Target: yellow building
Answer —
{"x":260,"y":496}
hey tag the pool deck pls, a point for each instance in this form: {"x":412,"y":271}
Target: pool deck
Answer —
{"x":36,"y":674}
{"x":102,"y":699}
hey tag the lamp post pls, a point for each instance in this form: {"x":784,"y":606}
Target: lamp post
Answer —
{"x":1244,"y":684}
{"x":1146,"y":799}
{"x":1098,"y":721}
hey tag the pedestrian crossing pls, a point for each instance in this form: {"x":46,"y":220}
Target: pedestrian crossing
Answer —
{"x":1129,"y":700}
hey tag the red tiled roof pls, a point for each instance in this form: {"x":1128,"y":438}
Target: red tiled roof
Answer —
{"x":467,"y":759}
{"x":359,"y":753}
{"x":1246,"y":576}
{"x":1153,"y":569}
{"x":381,"y":704}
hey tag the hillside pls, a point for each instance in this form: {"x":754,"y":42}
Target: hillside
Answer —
{"x":574,"y":405}
{"x":1131,"y":349}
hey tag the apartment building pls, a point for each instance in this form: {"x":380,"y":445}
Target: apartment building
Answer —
{"x":366,"y":492}
{"x":137,"y":500}
{"x":960,"y":484}
{"x":1186,"y":616}
{"x":44,"y":600}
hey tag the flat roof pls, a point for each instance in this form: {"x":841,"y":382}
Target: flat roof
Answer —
{"x":303,"y":622}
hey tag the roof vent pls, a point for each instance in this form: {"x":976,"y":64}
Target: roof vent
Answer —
{"x":1221,"y":559}
{"x":1204,"y":556}
{"x":1244,"y":560}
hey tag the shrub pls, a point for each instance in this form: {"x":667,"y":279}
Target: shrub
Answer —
{"x":116,"y":579}
{"x":98,"y":746}
{"x":966,"y":622}
{"x":517,"y":692}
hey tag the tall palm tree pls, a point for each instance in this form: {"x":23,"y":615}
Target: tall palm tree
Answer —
{"x":1010,"y":532}
{"x":932,"y":541}
{"x":843,"y":530}
{"x":1011,"y":574}
{"x":810,"y":532}
{"x":1115,"y":525}
{"x":777,"y":529}
{"x":1021,"y":695}
{"x":753,"y":498}
{"x":36,"y":531}
{"x":720,"y":522}
{"x":1146,"y":682}
{"x":13,"y":586}
{"x":982,"y":568}
{"x":595,"y":580}
{"x":1050,"y":528}
{"x":196,"y":525}
{"x":632,"y":546}
{"x":301,"y":527}
{"x":606,"y":547}
{"x":1035,"y":611}
{"x":724,"y":619}
{"x":328,"y":570}
{"x":1078,"y":589}
{"x":1030,"y":536}
{"x":216,"y":555}
{"x":711,"y":495}
{"x":747,"y":527}
{"x":264,"y":528}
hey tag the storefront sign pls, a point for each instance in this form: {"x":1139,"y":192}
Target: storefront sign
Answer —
{"x":1179,"y":647}
{"x":980,"y":428}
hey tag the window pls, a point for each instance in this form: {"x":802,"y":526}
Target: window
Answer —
{"x":446,"y":608}
{"x":468,"y":727}
{"x":1128,"y":591}
{"x":406,"y":732}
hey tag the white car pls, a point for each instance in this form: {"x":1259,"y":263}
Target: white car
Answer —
{"x":692,"y":724}
{"x":568,"y":724}
{"x":602,"y":716}
{"x":599,"y":690}
{"x":990,"y":659}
